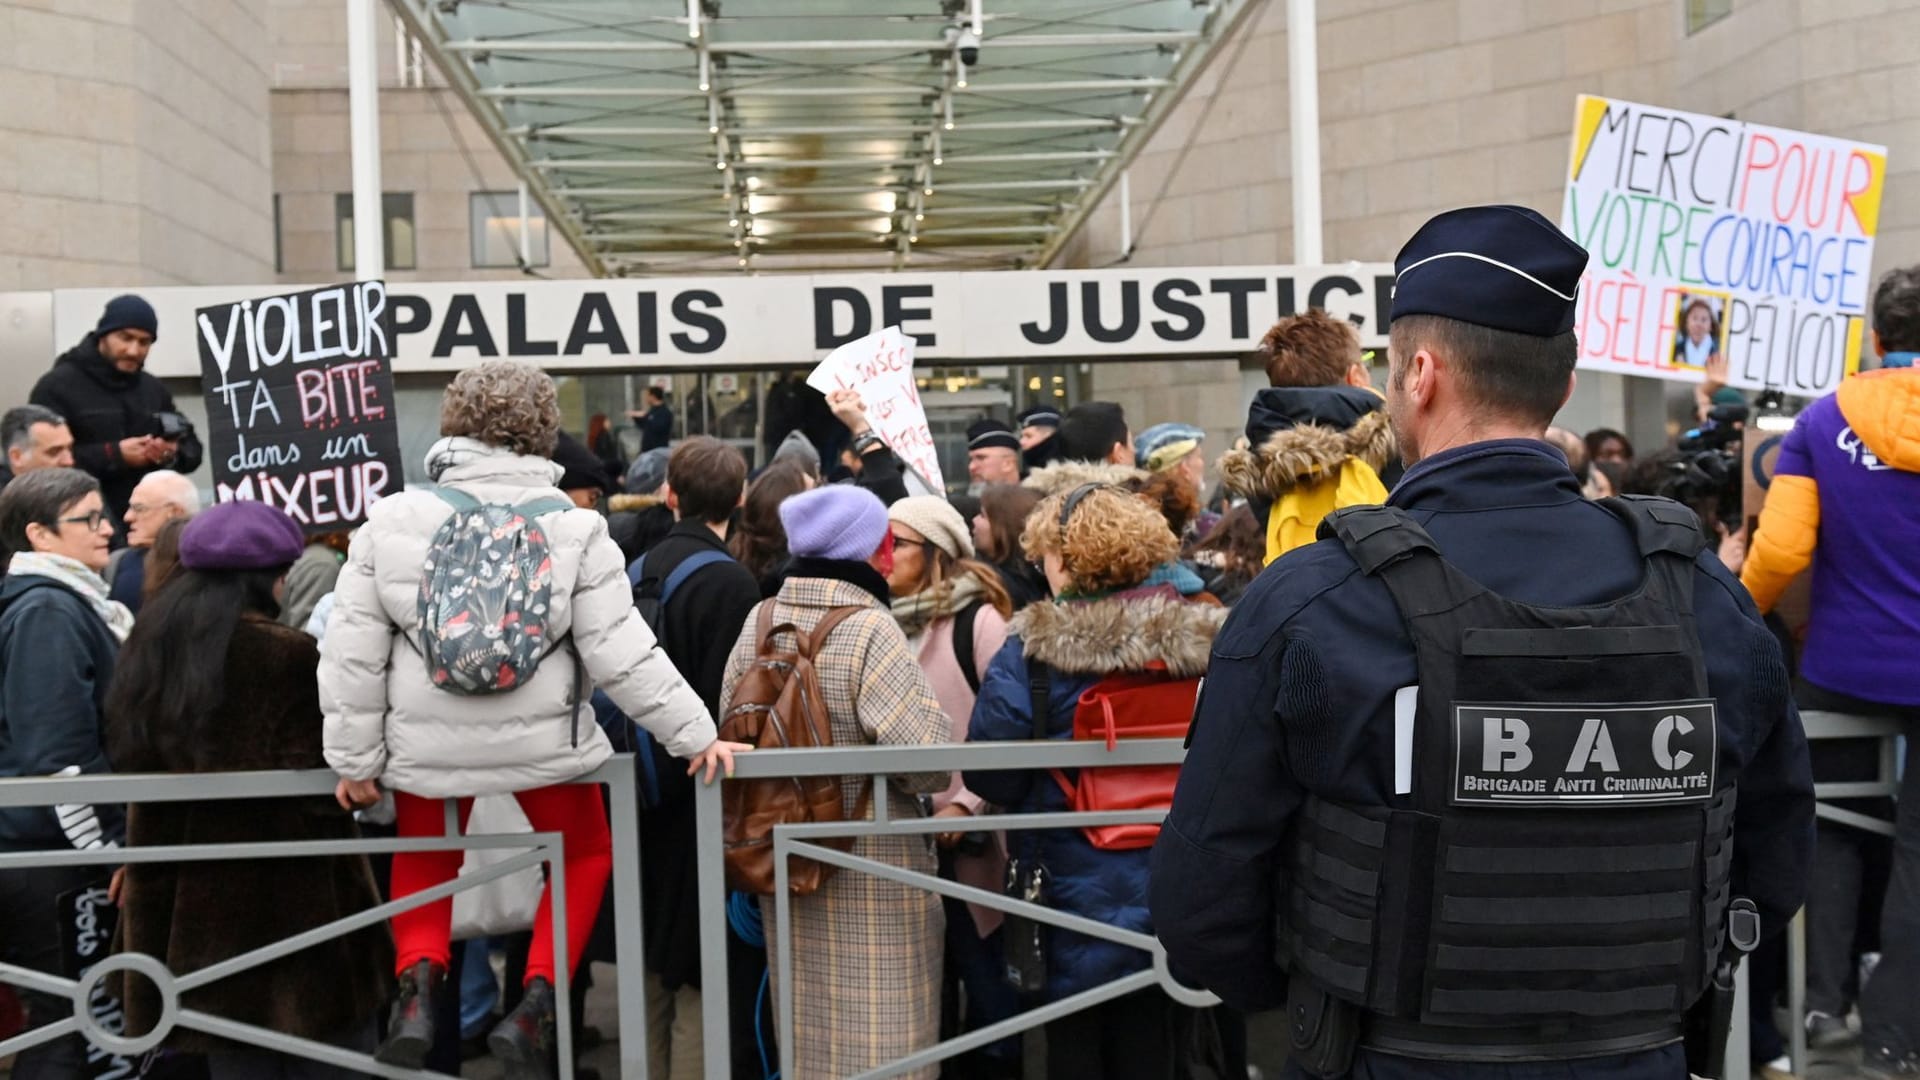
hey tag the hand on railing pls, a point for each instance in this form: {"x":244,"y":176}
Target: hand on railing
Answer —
{"x":717,"y":756}
{"x":356,"y":794}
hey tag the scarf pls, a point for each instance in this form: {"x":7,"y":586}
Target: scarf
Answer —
{"x":454,"y":451}
{"x":948,"y":598}
{"x":82,"y":582}
{"x":1898,"y":359}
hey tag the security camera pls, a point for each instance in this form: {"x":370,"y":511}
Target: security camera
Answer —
{"x":967,"y":44}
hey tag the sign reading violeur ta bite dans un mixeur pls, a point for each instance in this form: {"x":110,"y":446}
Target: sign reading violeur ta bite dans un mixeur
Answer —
{"x":299,"y":393}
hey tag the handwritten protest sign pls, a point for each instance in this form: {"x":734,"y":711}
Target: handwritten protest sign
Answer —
{"x":300,"y":404}
{"x":880,"y":367}
{"x":1713,"y":239}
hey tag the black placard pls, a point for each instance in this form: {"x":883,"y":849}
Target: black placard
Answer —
{"x":300,"y":402}
{"x":87,"y":923}
{"x":1643,"y":754}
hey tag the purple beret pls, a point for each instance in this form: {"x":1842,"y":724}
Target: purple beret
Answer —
{"x":241,"y":535}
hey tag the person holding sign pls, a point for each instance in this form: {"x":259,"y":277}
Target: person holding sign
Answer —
{"x":406,"y":709}
{"x":1466,"y":790}
{"x":123,"y":419}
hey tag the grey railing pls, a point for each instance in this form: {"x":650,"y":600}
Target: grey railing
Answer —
{"x":880,"y":763}
{"x":533,"y":848}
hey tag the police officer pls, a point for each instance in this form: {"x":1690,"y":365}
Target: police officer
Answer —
{"x":1484,"y":782}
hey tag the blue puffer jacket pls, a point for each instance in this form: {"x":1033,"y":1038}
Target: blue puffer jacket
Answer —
{"x":1082,"y":642}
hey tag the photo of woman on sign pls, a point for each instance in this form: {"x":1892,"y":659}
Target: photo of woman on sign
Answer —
{"x":1696,"y":340}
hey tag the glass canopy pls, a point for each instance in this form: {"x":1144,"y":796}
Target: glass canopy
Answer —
{"x":698,"y":136}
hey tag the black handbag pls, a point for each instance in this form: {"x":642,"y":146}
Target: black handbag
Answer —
{"x":1024,"y":940}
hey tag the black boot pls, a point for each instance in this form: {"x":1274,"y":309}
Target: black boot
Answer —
{"x":523,"y":1043}
{"x":410,"y":1028}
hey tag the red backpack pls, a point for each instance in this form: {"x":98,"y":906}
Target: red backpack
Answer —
{"x":1149,"y":704}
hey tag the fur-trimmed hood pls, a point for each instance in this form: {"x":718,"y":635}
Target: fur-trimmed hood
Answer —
{"x":1290,"y":455}
{"x":624,"y":504}
{"x":1120,"y":633}
{"x":1067,"y":475}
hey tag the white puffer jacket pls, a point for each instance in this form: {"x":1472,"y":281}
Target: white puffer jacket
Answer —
{"x":385,"y":719}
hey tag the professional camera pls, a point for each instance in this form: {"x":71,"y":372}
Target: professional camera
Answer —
{"x":172,"y":426}
{"x":1703,"y":469}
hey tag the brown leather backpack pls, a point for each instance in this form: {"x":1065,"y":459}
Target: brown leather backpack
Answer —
{"x":776,"y":705}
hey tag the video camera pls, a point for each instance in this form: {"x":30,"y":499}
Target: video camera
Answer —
{"x":1705,"y":471}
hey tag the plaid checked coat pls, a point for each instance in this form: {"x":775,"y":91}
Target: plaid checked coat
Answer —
{"x":867,"y":959}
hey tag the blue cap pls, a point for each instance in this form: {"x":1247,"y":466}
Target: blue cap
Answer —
{"x":1504,"y":267}
{"x":1162,"y":445}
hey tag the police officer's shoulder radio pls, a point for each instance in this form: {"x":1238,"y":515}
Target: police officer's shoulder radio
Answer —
{"x":1556,"y":885}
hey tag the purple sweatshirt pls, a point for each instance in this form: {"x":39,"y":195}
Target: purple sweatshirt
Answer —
{"x":1859,"y":453}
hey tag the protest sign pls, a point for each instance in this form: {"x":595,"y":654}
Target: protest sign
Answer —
{"x":880,"y":367}
{"x":87,"y":922}
{"x":1712,"y":239}
{"x":299,"y":393}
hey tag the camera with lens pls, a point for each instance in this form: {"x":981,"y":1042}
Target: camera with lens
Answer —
{"x":172,"y":426}
{"x":1703,"y":471}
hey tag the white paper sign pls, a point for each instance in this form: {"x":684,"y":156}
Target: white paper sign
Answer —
{"x":880,"y":367}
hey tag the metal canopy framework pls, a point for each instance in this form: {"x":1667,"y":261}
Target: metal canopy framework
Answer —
{"x":699,"y":136}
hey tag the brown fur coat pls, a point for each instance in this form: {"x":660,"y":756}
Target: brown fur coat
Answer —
{"x":191,"y":915}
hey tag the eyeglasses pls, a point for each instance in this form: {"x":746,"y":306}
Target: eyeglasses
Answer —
{"x":92,"y":521}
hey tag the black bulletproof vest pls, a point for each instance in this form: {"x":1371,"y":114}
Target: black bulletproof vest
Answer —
{"x":1557,"y":882}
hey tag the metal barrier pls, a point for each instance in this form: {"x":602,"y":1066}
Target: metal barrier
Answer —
{"x":881,"y":762}
{"x":616,"y":774}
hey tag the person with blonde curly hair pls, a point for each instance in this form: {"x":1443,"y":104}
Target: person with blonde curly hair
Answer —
{"x":388,"y":724}
{"x":1099,"y":546}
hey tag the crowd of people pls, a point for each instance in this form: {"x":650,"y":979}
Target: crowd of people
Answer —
{"x":494,"y":638}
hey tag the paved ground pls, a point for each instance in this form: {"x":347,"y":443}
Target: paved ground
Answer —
{"x":1266,"y":1038}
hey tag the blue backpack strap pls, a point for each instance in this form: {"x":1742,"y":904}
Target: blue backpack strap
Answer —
{"x":459,"y":500}
{"x":534,"y":508}
{"x":637,"y":571}
{"x":686,"y":569}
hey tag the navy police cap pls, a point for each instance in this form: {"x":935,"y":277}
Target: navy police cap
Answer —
{"x":1500,"y":266}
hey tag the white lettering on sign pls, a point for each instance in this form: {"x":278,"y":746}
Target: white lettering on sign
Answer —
{"x":1593,"y":747}
{"x":1504,"y":748}
{"x":1663,"y":734}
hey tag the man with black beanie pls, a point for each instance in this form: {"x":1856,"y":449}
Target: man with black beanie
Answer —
{"x":123,"y":419}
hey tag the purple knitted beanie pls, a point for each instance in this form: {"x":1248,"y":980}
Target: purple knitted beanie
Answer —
{"x":837,"y":521}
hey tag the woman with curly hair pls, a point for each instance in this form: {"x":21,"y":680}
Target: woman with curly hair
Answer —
{"x":388,"y":721}
{"x":1099,"y":546}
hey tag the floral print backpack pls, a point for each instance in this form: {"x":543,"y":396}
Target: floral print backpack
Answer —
{"x":486,"y":595}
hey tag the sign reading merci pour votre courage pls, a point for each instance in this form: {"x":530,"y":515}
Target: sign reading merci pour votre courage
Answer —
{"x":299,"y":393}
{"x":1712,"y":240}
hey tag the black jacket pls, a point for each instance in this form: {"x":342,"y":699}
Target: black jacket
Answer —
{"x":1299,"y":699}
{"x":103,"y":405}
{"x":698,"y":630}
{"x":56,"y":659}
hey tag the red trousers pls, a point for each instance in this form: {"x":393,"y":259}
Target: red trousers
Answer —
{"x":574,"y":811}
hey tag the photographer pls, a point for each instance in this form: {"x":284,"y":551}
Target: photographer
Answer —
{"x":123,"y":420}
{"x":1703,"y":472}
